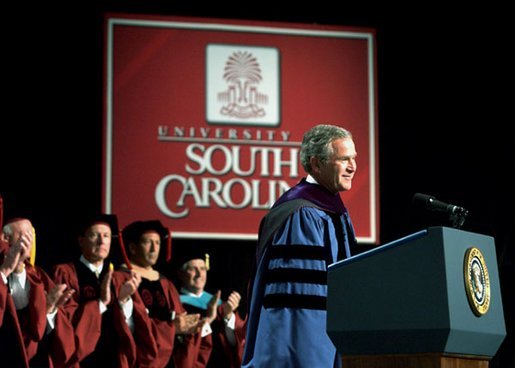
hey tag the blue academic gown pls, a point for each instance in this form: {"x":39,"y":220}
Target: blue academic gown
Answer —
{"x":287,"y":317}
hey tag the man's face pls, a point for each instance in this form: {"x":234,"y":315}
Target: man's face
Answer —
{"x":146,"y":252}
{"x":194,"y":275}
{"x":18,"y":228}
{"x":337,"y":172}
{"x":96,"y":243}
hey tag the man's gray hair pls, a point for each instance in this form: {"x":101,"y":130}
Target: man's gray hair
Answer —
{"x":8,"y":227}
{"x":317,"y":143}
{"x":7,"y":230}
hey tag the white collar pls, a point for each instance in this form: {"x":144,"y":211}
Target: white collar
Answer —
{"x":311,"y":179}
{"x":91,"y":266}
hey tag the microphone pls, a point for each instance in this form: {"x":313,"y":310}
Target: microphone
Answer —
{"x":457,"y":214}
{"x":432,"y":204}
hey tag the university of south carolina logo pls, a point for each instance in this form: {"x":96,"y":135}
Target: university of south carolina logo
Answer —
{"x":242,"y":85}
{"x":477,"y":281}
{"x":242,"y":98}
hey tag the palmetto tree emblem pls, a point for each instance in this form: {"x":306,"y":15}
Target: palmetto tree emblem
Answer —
{"x":242,"y":98}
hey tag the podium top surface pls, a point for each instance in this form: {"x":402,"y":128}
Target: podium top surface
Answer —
{"x":399,"y":242}
{"x":381,"y":248}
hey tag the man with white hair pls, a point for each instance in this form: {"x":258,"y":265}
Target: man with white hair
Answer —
{"x":34,"y":329}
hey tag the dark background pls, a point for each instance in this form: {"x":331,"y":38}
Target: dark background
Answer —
{"x":445,"y":118}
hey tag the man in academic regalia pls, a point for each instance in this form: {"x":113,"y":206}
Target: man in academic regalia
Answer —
{"x":307,"y":229}
{"x":147,"y":244}
{"x":102,"y":335}
{"x":227,"y":328}
{"x":34,"y":329}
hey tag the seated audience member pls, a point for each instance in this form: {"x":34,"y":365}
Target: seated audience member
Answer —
{"x":228,"y":331}
{"x":147,"y":244}
{"x":34,"y":328}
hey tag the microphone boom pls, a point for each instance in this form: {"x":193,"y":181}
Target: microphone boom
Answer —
{"x":457,"y":214}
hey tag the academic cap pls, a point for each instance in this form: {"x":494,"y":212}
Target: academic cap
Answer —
{"x":132,"y":233}
{"x":87,"y":221}
{"x":117,"y":253}
{"x":188,"y":252}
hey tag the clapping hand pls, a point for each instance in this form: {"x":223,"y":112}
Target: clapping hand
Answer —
{"x":230,"y":306}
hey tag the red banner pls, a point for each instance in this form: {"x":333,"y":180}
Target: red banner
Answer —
{"x":204,"y":119}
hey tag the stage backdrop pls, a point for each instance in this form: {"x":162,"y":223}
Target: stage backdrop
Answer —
{"x":204,"y":118}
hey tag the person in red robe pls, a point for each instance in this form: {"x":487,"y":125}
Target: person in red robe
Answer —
{"x":102,"y":335}
{"x":34,"y":328}
{"x":176,"y":333}
{"x":228,"y":329}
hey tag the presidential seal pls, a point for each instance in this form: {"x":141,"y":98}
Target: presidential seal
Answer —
{"x":477,"y":281}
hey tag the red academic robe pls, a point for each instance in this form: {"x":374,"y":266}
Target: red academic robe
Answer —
{"x":161,"y":299}
{"x":193,"y":351}
{"x":233,"y":354}
{"x":99,"y":338}
{"x":222,"y":353}
{"x":144,"y":344}
{"x":11,"y":337}
{"x":23,"y":332}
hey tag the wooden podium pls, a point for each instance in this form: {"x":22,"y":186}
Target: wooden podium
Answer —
{"x":429,"y":300}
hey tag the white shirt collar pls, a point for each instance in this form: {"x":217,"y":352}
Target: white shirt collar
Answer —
{"x":21,"y":277}
{"x":311,"y":179}
{"x":91,"y":266}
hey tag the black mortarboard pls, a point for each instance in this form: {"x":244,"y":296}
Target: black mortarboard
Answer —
{"x":117,"y":253}
{"x":13,"y":209}
{"x":108,"y":219}
{"x":188,"y":252}
{"x":132,"y":233}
